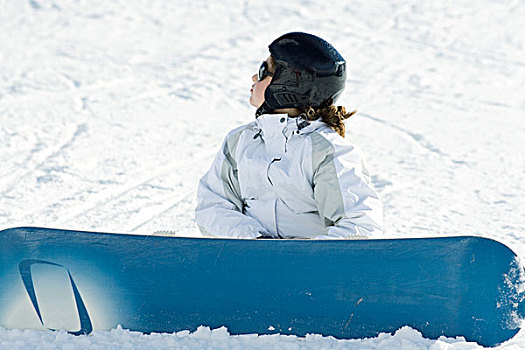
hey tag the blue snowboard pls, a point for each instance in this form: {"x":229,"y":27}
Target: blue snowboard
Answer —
{"x":82,"y":281}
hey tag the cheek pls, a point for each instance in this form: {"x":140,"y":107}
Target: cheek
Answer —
{"x":261,"y":88}
{"x":257,"y":96}
{"x":259,"y":93}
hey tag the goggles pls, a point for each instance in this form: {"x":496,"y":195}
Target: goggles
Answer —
{"x":263,"y":71}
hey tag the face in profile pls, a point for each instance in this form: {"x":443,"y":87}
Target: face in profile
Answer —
{"x":259,"y":86}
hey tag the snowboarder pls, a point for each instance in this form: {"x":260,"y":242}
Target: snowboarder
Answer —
{"x":291,"y":173}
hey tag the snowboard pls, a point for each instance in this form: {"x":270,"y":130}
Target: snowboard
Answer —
{"x":83,"y":281}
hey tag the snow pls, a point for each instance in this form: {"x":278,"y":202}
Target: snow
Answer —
{"x":204,"y":338}
{"x":110,"y":111}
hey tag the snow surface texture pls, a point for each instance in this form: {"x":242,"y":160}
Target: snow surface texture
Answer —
{"x":110,"y":111}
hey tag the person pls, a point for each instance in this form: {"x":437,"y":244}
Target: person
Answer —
{"x":290,"y":173}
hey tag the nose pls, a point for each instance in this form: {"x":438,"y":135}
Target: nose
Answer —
{"x":254,"y":78}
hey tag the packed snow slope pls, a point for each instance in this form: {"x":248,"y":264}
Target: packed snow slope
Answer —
{"x":110,"y":111}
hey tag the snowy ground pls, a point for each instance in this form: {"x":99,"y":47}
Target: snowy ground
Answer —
{"x":110,"y":111}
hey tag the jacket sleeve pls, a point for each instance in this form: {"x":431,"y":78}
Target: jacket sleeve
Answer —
{"x":347,"y":203}
{"x":219,"y":200}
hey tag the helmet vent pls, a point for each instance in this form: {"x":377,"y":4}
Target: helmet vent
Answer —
{"x":286,"y":98}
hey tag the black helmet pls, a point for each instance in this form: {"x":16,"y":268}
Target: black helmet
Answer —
{"x":309,"y":73}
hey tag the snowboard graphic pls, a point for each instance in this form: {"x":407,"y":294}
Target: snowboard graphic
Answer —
{"x":84,"y":281}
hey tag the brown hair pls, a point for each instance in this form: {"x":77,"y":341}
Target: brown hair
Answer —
{"x":333,"y":116}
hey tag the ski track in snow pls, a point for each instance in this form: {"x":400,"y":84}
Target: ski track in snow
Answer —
{"x":128,"y":188}
{"x":417,"y":138}
{"x":54,"y":151}
{"x":110,"y":112}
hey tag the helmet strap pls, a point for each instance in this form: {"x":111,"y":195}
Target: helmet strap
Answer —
{"x":263,"y":109}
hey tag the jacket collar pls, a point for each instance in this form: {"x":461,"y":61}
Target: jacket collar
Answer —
{"x":277,"y":125}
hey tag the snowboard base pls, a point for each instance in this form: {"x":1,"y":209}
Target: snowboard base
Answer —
{"x":83,"y":281}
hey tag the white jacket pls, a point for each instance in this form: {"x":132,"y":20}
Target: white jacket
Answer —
{"x":287,"y":178}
